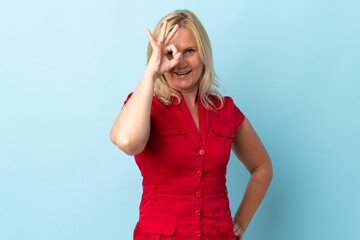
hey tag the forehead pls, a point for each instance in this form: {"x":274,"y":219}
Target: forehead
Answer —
{"x":183,"y":38}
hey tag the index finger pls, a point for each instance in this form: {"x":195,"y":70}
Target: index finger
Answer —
{"x":171,"y":34}
{"x":151,"y":39}
{"x":163,"y":29}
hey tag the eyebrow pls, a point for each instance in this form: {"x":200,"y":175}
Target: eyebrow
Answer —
{"x":191,"y":47}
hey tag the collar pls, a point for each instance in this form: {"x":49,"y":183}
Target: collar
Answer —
{"x":182,"y":96}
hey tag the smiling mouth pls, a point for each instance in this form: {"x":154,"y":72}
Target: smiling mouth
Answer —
{"x":182,"y":74}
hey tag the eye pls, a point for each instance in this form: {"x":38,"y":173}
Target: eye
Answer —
{"x":189,"y":52}
{"x":170,"y":55}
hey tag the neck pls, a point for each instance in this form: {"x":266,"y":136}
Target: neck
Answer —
{"x":190,"y":98}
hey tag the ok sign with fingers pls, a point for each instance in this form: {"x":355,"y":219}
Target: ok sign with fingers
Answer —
{"x":164,"y":56}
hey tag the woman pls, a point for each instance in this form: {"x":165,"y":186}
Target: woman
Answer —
{"x":181,"y":131}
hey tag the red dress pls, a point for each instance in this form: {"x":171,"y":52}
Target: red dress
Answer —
{"x":184,"y":185}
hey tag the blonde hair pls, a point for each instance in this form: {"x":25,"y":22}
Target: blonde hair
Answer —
{"x":208,"y":78}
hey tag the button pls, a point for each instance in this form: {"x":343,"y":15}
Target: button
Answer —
{"x":201,"y":152}
{"x":198,"y":193}
{"x":198,"y":233}
{"x":198,"y":172}
{"x":197,"y":212}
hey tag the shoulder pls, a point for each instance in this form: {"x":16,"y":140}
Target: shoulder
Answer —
{"x":128,"y":97}
{"x":157,"y":107}
{"x":155,"y":100}
{"x":224,"y":112}
{"x":229,"y":113}
{"x":228,"y":103}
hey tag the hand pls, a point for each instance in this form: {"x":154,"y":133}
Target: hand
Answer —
{"x":164,"y":56}
{"x":238,"y":230}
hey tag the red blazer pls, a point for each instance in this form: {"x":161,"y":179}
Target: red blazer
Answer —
{"x":184,"y":185}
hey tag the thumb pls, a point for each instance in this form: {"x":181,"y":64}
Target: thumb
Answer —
{"x":176,"y":59}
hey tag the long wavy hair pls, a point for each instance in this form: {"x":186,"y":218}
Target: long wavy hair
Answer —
{"x":209,"y":84}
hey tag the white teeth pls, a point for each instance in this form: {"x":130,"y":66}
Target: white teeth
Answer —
{"x":184,"y":73}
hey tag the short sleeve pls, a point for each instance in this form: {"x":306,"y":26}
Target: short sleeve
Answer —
{"x":238,"y":116}
{"x":127,"y":99}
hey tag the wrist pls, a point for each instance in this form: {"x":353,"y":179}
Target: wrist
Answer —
{"x":239,"y":229}
{"x":153,"y":74}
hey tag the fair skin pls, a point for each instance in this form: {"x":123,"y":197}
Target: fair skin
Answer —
{"x":190,"y":63}
{"x":249,"y":149}
{"x":174,"y":55}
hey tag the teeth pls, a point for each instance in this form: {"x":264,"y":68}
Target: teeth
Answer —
{"x":184,"y":73}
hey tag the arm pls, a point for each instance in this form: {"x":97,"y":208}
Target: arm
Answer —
{"x":131,"y":129}
{"x":249,"y":149}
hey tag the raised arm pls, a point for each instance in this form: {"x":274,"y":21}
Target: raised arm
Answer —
{"x":131,"y":129}
{"x":249,"y":149}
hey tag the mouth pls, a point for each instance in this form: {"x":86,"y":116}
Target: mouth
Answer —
{"x":182,"y":73}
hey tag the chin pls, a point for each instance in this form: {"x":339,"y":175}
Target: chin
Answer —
{"x":186,"y":82}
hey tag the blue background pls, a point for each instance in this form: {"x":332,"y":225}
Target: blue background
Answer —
{"x":66,"y":68}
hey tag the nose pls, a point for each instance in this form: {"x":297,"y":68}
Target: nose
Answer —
{"x":182,"y":62}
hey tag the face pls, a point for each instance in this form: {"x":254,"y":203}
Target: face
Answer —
{"x":185,"y":75}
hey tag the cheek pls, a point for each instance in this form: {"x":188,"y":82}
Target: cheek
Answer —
{"x":167,"y":76}
{"x":197,"y":64}
{"x":198,"y":67}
